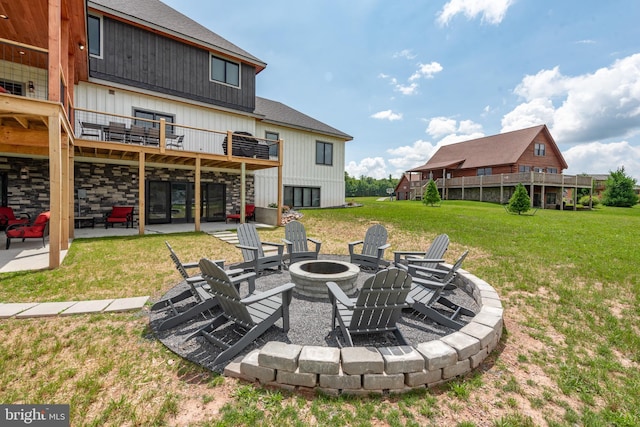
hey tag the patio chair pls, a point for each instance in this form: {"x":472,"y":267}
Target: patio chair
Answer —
{"x":373,"y":247}
{"x":175,"y":142}
{"x":153,"y":136}
{"x":377,"y":308}
{"x":431,"y":258}
{"x":116,"y":131}
{"x":39,"y":229}
{"x":137,"y":134}
{"x":198,"y":290}
{"x":8,"y":217}
{"x":121,"y":215}
{"x":427,"y":292}
{"x":253,"y":253}
{"x":440,"y":274}
{"x":295,"y":237}
{"x":251,"y":316}
{"x":249,"y":213}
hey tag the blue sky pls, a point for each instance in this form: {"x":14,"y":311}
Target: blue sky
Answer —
{"x":405,"y":77}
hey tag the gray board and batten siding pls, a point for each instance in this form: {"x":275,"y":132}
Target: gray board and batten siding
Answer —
{"x":135,"y":57}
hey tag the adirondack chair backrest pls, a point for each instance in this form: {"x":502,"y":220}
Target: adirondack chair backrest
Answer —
{"x":248,"y":236}
{"x":375,"y":237}
{"x":438,"y":247}
{"x":381,"y":300}
{"x":451,"y":274}
{"x":176,"y":261}
{"x":226,"y":293}
{"x":296,"y":234}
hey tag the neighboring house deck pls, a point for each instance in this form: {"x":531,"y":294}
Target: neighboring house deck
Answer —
{"x":489,"y":168}
{"x":109,"y":102}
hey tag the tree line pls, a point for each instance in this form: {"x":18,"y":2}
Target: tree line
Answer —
{"x":367,"y":186}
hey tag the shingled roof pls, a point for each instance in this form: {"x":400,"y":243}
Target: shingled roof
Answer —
{"x":155,"y":14}
{"x":502,"y":149}
{"x":280,"y":114}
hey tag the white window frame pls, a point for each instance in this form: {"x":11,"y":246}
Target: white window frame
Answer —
{"x":100,"y":19}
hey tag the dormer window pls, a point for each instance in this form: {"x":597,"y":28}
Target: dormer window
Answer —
{"x":225,"y":71}
{"x":94,"y":32}
{"x":539,"y":149}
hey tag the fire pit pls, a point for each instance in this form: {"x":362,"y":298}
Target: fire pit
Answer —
{"x":311,"y":277}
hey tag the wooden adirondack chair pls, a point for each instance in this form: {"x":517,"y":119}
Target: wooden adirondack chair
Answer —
{"x":427,"y":292}
{"x":377,"y":308}
{"x":198,"y":290}
{"x":431,"y":258}
{"x":373,"y":247}
{"x":295,"y":237}
{"x":253,"y":253}
{"x":255,"y":313}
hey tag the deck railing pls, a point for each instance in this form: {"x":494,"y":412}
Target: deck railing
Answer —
{"x":23,"y":70}
{"x":510,"y":179}
{"x":120,"y":129}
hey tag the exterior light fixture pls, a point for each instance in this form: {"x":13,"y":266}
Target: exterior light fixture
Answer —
{"x":3,"y":16}
{"x":24,"y":173}
{"x":32,"y":87}
{"x":80,"y":46}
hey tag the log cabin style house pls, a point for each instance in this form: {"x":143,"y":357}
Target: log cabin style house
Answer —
{"x":489,"y":168}
{"x":115,"y":102}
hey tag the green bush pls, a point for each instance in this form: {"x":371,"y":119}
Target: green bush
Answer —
{"x":584,"y":201}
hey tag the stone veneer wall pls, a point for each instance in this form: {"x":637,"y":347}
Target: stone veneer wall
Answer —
{"x":365,"y":370}
{"x":105,"y":184}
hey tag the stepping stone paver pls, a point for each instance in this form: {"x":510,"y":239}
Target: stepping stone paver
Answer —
{"x":84,"y":307}
{"x":12,"y":308}
{"x":124,"y":304}
{"x":45,"y":309}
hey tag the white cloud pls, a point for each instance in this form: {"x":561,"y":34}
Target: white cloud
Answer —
{"x":492,"y":11}
{"x":597,"y":157}
{"x":407,"y":89}
{"x":440,"y":126}
{"x":387,"y":115}
{"x":536,"y":112}
{"x":410,"y":156}
{"x":405,"y":53}
{"x":592,"y":107}
{"x":450,"y":130}
{"x":426,"y":71}
{"x":374,"y":167}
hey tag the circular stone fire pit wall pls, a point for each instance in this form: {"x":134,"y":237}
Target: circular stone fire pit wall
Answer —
{"x":311,"y":277}
{"x":367,"y":370}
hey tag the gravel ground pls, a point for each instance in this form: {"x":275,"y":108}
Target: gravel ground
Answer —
{"x":310,"y":323}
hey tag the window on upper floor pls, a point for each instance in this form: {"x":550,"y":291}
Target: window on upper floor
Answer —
{"x":484,"y":171}
{"x":524,"y":168}
{"x":324,"y":153}
{"x":153,"y":115}
{"x":552,"y":170}
{"x":225,"y":71}
{"x":539,"y":149}
{"x":273,"y":148}
{"x":94,"y":32}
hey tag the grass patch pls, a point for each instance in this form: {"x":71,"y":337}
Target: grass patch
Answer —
{"x":569,"y":282}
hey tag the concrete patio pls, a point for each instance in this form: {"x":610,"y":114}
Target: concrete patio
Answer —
{"x":31,"y":255}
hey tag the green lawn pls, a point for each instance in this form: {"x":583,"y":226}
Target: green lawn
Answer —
{"x":570,"y":354}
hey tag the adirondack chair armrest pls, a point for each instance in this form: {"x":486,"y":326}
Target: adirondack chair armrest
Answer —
{"x":428,"y":283}
{"x":427,"y":270}
{"x":273,"y":244}
{"x":397,"y":255}
{"x":250,"y":277}
{"x":352,"y":245}
{"x":266,"y":294}
{"x":287,"y":242}
{"x":251,"y":248}
{"x":316,"y":241}
{"x":234,"y":271}
{"x":339,"y":294}
{"x":412,"y":260}
{"x":385,"y":246}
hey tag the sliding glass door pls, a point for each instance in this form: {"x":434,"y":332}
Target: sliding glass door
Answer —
{"x":174,"y":202}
